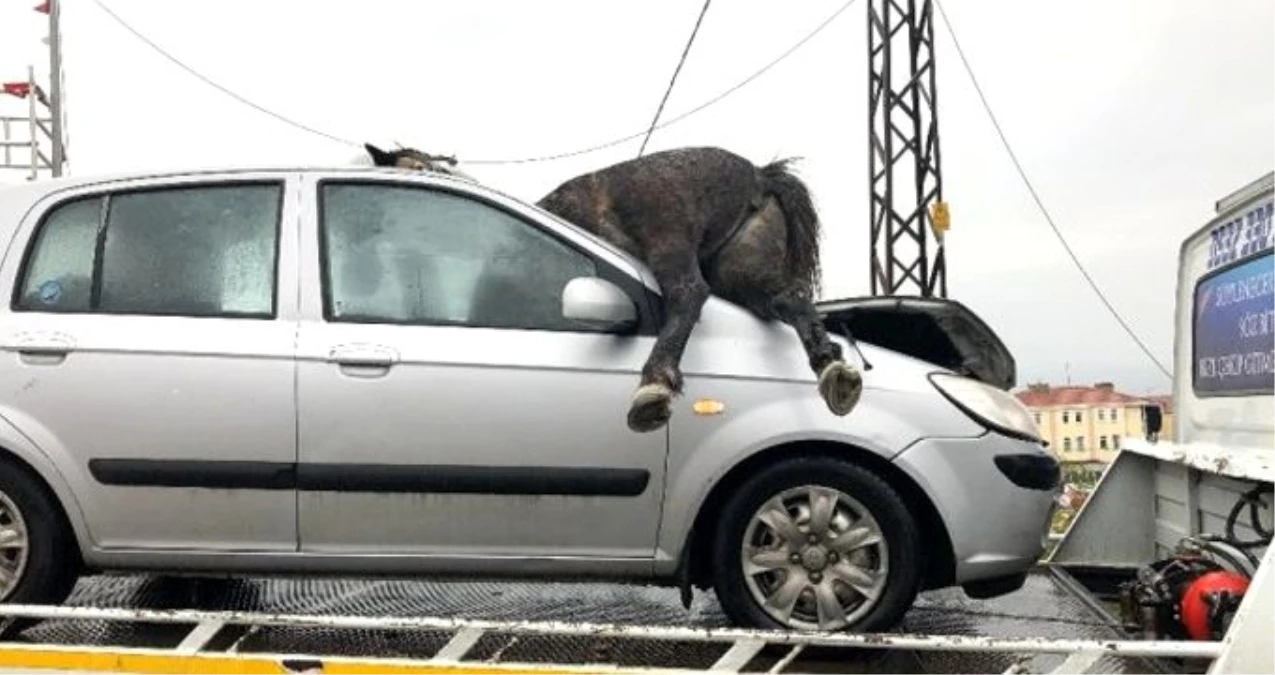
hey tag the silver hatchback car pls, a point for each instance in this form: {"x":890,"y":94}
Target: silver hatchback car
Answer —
{"x":367,"y":371}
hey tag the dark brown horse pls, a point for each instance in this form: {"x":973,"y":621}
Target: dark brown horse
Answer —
{"x":705,"y":221}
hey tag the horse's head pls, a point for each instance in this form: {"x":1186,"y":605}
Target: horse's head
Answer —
{"x":412,"y":159}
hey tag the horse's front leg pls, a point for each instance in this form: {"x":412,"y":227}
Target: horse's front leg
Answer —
{"x":685,"y":293}
{"x":840,"y":384}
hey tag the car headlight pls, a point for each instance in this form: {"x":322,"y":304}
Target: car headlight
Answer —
{"x":988,"y":405}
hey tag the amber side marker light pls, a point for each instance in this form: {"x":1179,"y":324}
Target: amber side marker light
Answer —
{"x":708,"y":406}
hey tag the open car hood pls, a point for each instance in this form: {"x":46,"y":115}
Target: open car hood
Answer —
{"x":941,"y":331}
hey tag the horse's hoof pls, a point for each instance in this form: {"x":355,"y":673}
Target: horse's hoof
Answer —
{"x":840,"y":386}
{"x":651,"y":408}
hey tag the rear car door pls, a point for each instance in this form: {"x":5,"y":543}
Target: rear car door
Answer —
{"x":446,"y":406}
{"x":148,"y":348}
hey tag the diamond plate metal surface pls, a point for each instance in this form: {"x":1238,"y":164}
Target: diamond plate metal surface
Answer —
{"x":1042,"y":608}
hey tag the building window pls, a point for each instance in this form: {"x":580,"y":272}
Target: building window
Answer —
{"x":1102,"y":414}
{"x":1037,"y":416}
{"x":1078,"y":418}
{"x":1066,"y":417}
{"x":1102,"y":442}
{"x":1066,"y":444}
{"x":1113,"y":414}
{"x":1115,"y":441}
{"x":1080,"y":443}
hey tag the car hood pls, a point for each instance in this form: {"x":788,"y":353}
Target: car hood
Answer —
{"x":937,"y":331}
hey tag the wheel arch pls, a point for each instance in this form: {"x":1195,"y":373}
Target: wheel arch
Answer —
{"x":43,"y":484}
{"x":940,"y":566}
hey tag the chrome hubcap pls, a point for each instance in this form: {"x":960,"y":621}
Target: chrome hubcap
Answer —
{"x":14,"y":543}
{"x":814,"y":558}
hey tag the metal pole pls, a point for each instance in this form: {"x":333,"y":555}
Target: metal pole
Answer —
{"x":33,"y":111}
{"x":55,"y":84}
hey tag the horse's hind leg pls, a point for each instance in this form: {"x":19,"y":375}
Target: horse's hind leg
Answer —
{"x":840,"y":384}
{"x":685,"y":292}
{"x":745,"y":273}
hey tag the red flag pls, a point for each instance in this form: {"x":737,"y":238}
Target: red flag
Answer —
{"x":43,"y":7}
{"x":19,"y":89}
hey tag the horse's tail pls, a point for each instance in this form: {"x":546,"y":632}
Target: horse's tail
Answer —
{"x":803,"y":222}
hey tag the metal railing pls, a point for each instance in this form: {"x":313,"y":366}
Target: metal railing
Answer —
{"x":740,"y":646}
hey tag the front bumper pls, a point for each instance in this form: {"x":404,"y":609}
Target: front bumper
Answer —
{"x":995,"y":495}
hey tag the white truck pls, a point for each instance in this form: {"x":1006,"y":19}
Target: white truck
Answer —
{"x":1180,"y":531}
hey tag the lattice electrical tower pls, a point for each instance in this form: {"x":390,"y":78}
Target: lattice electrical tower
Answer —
{"x":908,"y":215}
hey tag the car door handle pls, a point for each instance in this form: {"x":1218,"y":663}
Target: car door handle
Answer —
{"x":43,"y":348}
{"x":363,"y":360}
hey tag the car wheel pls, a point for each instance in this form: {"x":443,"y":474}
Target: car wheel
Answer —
{"x":38,"y":559}
{"x":814,"y":543}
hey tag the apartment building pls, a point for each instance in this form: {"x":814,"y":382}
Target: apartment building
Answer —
{"x":1086,"y":425}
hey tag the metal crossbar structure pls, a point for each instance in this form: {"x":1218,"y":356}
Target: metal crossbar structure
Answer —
{"x":214,"y":639}
{"x":24,"y":139}
{"x":39,"y":137}
{"x":908,"y":216}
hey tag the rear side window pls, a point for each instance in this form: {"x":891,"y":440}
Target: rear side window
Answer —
{"x":190,"y":251}
{"x":59,"y":270}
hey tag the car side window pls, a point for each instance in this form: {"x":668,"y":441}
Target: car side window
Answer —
{"x":59,"y":270}
{"x":199,"y":251}
{"x":413,"y":255}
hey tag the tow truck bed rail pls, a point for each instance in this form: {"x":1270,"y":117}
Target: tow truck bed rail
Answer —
{"x":213,"y":642}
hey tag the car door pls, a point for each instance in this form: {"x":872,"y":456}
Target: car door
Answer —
{"x":148,"y":349}
{"x":446,"y":406}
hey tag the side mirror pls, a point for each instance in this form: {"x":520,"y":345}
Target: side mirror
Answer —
{"x":598,"y":304}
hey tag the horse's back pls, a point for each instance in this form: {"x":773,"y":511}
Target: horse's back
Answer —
{"x":686,"y":165}
{"x":707,"y":184}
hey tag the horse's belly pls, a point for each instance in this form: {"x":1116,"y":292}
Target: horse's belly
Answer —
{"x":752,"y":266}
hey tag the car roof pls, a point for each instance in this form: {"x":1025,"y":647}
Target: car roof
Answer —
{"x":81,"y":180}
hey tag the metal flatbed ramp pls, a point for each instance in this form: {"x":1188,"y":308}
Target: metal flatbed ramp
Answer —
{"x":141,"y":624}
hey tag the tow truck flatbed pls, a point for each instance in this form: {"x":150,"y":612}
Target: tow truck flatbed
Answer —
{"x":564,"y":624}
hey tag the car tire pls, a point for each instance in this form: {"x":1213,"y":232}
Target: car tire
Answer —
{"x":39,"y":562}
{"x":857,"y":569}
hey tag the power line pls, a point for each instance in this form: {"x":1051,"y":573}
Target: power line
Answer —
{"x":217,"y":86}
{"x":669,"y":89}
{"x":1048,"y":218}
{"x":712,"y":101}
{"x":674,"y":120}
{"x":523,"y":160}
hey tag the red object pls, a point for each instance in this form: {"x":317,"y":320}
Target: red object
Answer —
{"x":44,"y":7}
{"x":19,"y":89}
{"x":1202,"y":595}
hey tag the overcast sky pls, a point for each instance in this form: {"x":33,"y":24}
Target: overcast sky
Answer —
{"x":1131,"y":118}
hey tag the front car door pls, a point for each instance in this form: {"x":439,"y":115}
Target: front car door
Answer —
{"x":446,"y":406}
{"x":148,"y":349}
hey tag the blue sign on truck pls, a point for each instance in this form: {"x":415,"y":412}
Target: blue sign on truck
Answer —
{"x":1235,"y":329}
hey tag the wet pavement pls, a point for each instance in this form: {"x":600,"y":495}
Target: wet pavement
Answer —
{"x":1042,"y":608}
